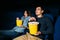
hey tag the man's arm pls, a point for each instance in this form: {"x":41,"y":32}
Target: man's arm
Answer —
{"x":49,"y":27}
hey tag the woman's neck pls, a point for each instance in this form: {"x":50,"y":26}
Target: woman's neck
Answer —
{"x":25,"y":16}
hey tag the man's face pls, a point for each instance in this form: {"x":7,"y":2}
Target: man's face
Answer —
{"x":38,"y":11}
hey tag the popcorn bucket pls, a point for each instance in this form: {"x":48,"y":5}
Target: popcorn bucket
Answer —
{"x":33,"y":27}
{"x":18,"y":23}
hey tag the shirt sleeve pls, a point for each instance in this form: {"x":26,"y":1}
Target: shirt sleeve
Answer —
{"x":25,"y":23}
{"x":22,"y":18}
{"x":49,"y":29}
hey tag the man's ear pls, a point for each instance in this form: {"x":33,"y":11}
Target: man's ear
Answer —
{"x":42,"y":11}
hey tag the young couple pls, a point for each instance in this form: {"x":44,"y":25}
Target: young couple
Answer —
{"x":45,"y":26}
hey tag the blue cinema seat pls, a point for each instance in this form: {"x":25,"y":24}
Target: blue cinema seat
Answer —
{"x":57,"y":29}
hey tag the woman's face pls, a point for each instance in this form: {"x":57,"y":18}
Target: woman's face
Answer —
{"x":25,"y":14}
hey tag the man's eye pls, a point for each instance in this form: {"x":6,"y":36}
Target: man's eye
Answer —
{"x":38,"y":9}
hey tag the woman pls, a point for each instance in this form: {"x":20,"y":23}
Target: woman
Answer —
{"x":16,"y":30}
{"x":25,"y":20}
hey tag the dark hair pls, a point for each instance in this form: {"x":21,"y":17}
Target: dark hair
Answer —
{"x":42,"y":7}
{"x":28,"y":12}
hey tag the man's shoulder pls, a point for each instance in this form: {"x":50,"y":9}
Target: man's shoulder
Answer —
{"x":45,"y":17}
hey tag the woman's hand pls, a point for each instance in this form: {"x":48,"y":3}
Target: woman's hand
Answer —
{"x":21,"y":25}
{"x":27,"y":27}
{"x":17,"y":18}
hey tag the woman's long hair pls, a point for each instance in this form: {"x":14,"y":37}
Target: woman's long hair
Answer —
{"x":28,"y":12}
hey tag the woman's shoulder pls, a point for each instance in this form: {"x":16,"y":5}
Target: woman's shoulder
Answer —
{"x":22,"y":17}
{"x":29,"y":16}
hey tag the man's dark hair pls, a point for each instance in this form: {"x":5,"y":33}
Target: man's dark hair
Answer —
{"x":42,"y":7}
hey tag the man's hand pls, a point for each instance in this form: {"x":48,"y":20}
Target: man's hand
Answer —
{"x":38,"y":33}
{"x":32,"y":18}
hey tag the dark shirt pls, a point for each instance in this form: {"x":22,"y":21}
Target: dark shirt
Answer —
{"x":45,"y":26}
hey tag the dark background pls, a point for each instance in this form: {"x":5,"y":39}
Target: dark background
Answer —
{"x":10,"y":9}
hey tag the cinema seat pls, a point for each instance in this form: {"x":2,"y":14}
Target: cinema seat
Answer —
{"x":57,"y":29}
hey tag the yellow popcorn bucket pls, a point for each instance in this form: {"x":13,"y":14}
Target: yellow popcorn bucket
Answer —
{"x":18,"y":23}
{"x":33,"y":27}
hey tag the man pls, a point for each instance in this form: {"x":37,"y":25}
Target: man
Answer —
{"x":45,"y":24}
